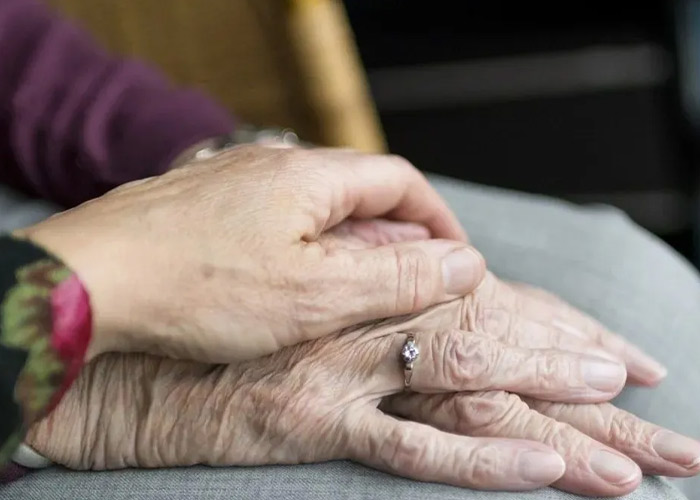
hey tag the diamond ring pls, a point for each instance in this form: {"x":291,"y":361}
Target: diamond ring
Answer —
{"x":409,"y":354}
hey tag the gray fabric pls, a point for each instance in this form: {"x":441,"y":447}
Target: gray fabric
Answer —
{"x":19,"y":211}
{"x":594,"y":257}
{"x":329,"y":481}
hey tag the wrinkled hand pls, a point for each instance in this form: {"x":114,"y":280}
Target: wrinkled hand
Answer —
{"x":516,"y":313}
{"x":318,"y":401}
{"x":605,"y":449}
{"x":550,"y":321}
{"x":523,"y":315}
{"x":219,"y":260}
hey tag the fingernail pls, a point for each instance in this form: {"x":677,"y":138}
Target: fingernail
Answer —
{"x":645,"y":365}
{"x":541,"y":467}
{"x":603,"y":375}
{"x":462,"y":271}
{"x":614,"y":469}
{"x":677,"y":449}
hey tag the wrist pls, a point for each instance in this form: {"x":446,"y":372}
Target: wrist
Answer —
{"x":46,"y":328}
{"x":72,"y":309}
{"x":100,"y":281}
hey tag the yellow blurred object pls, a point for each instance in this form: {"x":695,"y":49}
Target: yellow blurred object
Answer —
{"x":285,"y":63}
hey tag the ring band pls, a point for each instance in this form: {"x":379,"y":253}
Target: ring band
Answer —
{"x":409,"y":354}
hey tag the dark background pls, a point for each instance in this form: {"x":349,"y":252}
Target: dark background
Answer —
{"x":585,"y":100}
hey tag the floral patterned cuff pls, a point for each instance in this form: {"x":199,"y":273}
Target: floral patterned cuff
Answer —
{"x":45,"y":329}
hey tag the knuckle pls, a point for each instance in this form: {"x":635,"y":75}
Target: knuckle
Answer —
{"x":486,"y":465}
{"x":403,"y":163}
{"x":475,"y":305}
{"x":484,"y":413}
{"x":552,"y":371}
{"x":404,"y":453}
{"x":413,"y":270}
{"x":466,"y":360}
{"x":557,"y":434}
{"x":566,"y":440}
{"x":625,"y":430}
{"x":556,"y":411}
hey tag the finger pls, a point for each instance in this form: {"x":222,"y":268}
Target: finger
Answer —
{"x":362,"y":234}
{"x":655,"y":449}
{"x":421,"y":452}
{"x":455,"y":360}
{"x":546,"y":308}
{"x":365,"y":186}
{"x":391,"y":280}
{"x":514,"y":329}
{"x":591,"y":467}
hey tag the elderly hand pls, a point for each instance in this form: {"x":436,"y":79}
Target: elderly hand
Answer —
{"x":219,"y":260}
{"x":318,"y":401}
{"x":515,"y":313}
{"x":313,"y":402}
{"x":603,"y":447}
{"x":568,"y":328}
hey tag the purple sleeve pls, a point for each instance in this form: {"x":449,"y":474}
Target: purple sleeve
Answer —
{"x":75,"y":122}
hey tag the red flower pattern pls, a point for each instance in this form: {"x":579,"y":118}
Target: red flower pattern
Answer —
{"x":72,"y":328}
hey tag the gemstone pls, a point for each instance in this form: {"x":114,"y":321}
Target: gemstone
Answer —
{"x":410,"y":352}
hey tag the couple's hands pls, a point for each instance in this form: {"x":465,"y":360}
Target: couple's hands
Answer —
{"x":318,"y":401}
{"x":220,"y":261}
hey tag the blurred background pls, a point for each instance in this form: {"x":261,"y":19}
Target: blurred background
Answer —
{"x":592,"y":101}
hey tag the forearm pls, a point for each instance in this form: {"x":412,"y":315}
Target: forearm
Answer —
{"x":75,"y":122}
{"x":156,"y":405}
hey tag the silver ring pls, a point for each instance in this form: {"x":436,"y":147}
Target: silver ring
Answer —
{"x":409,"y":355}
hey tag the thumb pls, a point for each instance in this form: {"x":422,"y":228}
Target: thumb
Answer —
{"x":401,"y":278}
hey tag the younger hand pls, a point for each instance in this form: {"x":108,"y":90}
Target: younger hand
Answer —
{"x":220,"y":261}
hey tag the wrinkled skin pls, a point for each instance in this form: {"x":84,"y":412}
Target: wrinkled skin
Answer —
{"x":319,"y":401}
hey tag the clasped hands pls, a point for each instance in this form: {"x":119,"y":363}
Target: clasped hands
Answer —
{"x":510,"y":390}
